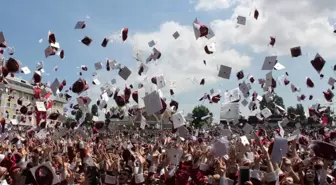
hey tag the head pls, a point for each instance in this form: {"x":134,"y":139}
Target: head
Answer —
{"x":124,"y":175}
{"x":309,"y":175}
{"x":287,"y":181}
{"x":286,"y":164}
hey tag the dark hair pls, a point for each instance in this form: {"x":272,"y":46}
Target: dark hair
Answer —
{"x":316,"y":179}
{"x":44,"y":176}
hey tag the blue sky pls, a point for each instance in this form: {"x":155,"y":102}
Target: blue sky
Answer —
{"x":28,"y":22}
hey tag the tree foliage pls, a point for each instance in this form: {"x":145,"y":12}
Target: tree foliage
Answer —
{"x":198,"y":113}
{"x":94,"y":110}
{"x":298,"y":111}
{"x":116,"y":112}
{"x":270,"y":105}
{"x":88,"y":116}
{"x":78,"y":115}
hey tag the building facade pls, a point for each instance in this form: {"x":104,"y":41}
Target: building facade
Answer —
{"x":22,"y":89}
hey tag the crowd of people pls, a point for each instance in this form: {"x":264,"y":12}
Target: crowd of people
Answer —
{"x":37,"y":147}
{"x":218,"y":156}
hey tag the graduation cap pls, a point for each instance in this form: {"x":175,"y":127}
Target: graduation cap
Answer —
{"x":31,"y":133}
{"x":240,"y":75}
{"x":328,"y":95}
{"x":176,"y":35}
{"x":272,"y":41}
{"x":156,"y":55}
{"x":251,"y":78}
{"x":61,"y":86}
{"x":12,"y":65}
{"x":256,"y":14}
{"x":324,"y":150}
{"x":124,"y":34}
{"x":135,"y":96}
{"x":10,"y":50}
{"x":286,"y":81}
{"x":200,"y":30}
{"x":202,"y":81}
{"x":216,"y":98}
{"x":86,"y":41}
{"x":120,"y":100}
{"x":124,"y":73}
{"x":3,"y":43}
{"x":154,"y":80}
{"x":108,"y":67}
{"x":296,"y":51}
{"x":67,"y":96}
{"x":105,"y":42}
{"x":51,"y":38}
{"x":273,"y":83}
{"x":80,"y":25}
{"x":164,"y":106}
{"x":49,"y":51}
{"x":174,"y":104}
{"x":210,"y":49}
{"x":141,"y":70}
{"x":95,"y":81}
{"x":171,"y":92}
{"x":19,"y":101}
{"x":4,"y":70}
{"x":23,"y":109}
{"x":310,"y":97}
{"x":62,"y":54}
{"x":318,"y":63}
{"x":37,"y":77}
{"x":224,"y":71}
{"x":302,"y":97}
{"x":53,"y":116}
{"x":309,"y":82}
{"x":79,"y":86}
{"x":44,"y":174}
{"x":241,"y":20}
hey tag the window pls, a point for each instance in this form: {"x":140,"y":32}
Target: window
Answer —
{"x":14,"y":116}
{"x":15,"y":105}
{"x":8,"y":104}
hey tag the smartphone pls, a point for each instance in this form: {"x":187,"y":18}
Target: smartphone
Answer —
{"x":244,"y":174}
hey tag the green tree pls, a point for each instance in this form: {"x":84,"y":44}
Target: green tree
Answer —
{"x":94,"y":110}
{"x":299,"y":113}
{"x":88,"y":120}
{"x":198,"y":113}
{"x":270,"y":105}
{"x":78,"y":115}
{"x":69,"y":120}
{"x":116,"y":112}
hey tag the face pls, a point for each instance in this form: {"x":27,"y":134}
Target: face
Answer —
{"x":310,"y":175}
{"x":123,"y":176}
{"x":288,"y":181}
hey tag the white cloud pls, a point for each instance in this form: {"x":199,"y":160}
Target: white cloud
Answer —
{"x":183,"y":58}
{"x":302,"y":23}
{"x":206,"y":5}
